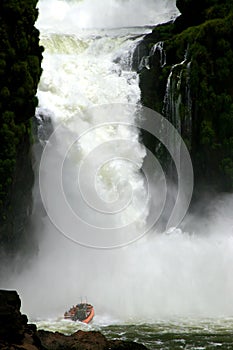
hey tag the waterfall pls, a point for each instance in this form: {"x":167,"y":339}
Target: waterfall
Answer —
{"x":95,"y":68}
{"x":177,"y":100}
{"x":188,"y":104}
{"x":156,"y":49}
{"x":87,"y":78}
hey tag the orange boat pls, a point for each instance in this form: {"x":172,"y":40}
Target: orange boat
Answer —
{"x":82,"y":312}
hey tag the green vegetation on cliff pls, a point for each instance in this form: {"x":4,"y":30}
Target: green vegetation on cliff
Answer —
{"x":20,"y":70}
{"x":206,"y":43}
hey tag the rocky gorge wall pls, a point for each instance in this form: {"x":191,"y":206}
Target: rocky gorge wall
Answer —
{"x":186,"y":73}
{"x":20,"y":70}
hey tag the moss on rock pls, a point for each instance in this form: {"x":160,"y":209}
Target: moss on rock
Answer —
{"x":208,"y":48}
{"x":20,"y":70}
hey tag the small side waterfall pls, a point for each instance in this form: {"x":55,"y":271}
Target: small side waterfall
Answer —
{"x":177,"y":100}
{"x":156,"y":49}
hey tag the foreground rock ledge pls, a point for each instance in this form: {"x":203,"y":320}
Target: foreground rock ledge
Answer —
{"x":17,"y":334}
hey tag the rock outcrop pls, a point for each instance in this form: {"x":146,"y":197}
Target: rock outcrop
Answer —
{"x":81,"y":340}
{"x":20,"y":70}
{"x":17,"y":334}
{"x":12,"y":323}
{"x":187,"y":75}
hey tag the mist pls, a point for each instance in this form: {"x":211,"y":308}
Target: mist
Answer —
{"x":175,"y":274}
{"x":69,"y":16}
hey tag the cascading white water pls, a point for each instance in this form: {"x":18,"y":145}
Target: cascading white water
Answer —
{"x":88,"y":48}
{"x":175,"y":98}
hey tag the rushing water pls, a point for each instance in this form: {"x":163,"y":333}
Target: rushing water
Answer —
{"x":163,"y":334}
{"x":172,"y":290}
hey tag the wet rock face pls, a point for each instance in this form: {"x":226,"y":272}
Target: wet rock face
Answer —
{"x":78,"y":340}
{"x":20,"y":70}
{"x":81,"y":340}
{"x":196,"y":79}
{"x":191,"y":8}
{"x":194,"y":12}
{"x":12,"y":322}
{"x":16,"y":333}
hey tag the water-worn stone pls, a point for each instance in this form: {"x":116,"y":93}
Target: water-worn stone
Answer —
{"x":12,"y":322}
{"x":81,"y":340}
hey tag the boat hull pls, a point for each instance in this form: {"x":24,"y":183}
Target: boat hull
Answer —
{"x":90,"y":317}
{"x":82,"y":312}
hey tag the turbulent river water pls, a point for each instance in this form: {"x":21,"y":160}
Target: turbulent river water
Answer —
{"x":168,"y":291}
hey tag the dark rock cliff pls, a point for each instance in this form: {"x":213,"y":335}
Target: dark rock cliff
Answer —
{"x":187,"y":75}
{"x":20,"y":70}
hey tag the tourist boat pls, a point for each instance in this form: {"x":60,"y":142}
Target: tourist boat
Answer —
{"x":82,"y":312}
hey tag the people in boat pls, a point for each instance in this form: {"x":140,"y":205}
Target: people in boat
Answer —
{"x":81,"y":310}
{"x":71,"y":312}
